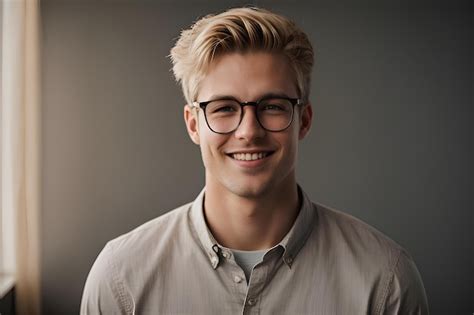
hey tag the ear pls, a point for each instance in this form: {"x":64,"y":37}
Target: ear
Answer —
{"x":306,"y":118}
{"x":192,"y":123}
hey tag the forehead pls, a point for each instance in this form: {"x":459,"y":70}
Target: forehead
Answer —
{"x":248,"y":76}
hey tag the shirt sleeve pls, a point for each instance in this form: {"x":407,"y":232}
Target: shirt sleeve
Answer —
{"x":406,"y":293}
{"x":104,"y":292}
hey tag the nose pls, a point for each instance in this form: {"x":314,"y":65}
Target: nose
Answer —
{"x":249,"y":128}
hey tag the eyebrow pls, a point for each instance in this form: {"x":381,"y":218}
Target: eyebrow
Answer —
{"x":266,"y":95}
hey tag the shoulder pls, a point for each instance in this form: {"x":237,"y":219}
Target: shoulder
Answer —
{"x":405,"y":292}
{"x":367,"y":251}
{"x":131,"y":256}
{"x":347,"y":231}
{"x":151,"y":244}
{"x":152,"y":233}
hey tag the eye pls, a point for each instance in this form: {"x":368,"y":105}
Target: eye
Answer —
{"x":272,"y":107}
{"x":275,"y":105}
{"x":223,"y":107}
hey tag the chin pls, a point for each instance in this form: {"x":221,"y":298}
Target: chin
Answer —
{"x":250,"y":191}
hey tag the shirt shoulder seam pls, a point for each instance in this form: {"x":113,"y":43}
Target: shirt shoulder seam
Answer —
{"x":118,"y":288}
{"x":386,"y":290}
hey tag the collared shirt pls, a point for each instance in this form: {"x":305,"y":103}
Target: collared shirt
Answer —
{"x":328,"y":263}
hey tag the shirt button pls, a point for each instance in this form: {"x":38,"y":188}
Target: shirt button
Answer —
{"x":251,"y":302}
{"x":237,"y":279}
{"x":289,"y":260}
{"x":214,"y":260}
{"x":226,"y":255}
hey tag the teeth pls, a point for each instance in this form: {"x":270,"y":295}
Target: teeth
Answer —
{"x":249,"y":156}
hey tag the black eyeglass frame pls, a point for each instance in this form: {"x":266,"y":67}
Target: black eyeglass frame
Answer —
{"x":293,"y":101}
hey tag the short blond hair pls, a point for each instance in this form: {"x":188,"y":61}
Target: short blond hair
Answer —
{"x":239,"y":30}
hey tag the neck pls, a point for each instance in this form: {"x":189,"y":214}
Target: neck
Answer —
{"x":255,"y":223}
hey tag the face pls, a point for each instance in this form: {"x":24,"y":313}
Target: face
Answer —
{"x":248,"y":77}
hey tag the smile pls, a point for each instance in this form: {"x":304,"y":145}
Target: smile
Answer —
{"x":249,"y":156}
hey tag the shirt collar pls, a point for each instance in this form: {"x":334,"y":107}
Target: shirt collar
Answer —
{"x":299,"y":232}
{"x":203,"y":233}
{"x":291,"y":243}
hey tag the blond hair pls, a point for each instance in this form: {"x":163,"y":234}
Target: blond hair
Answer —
{"x":239,"y":30}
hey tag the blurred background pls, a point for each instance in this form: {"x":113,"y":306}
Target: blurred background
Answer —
{"x":391,"y":141}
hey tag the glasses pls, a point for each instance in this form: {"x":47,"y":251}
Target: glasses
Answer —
{"x":224,"y":116}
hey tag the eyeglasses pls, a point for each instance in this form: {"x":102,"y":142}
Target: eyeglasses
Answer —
{"x":224,"y":116}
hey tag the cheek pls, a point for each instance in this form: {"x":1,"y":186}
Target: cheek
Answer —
{"x":289,"y":144}
{"x":211,"y":144}
{"x":289,"y":139}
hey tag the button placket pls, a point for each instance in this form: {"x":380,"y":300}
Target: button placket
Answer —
{"x":254,"y":288}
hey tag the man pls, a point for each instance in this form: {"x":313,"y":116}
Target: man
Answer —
{"x":252,"y":241}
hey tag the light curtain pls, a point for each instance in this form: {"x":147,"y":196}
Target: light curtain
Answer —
{"x":21,"y":150}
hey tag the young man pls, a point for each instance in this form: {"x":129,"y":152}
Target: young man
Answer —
{"x":252,"y":241}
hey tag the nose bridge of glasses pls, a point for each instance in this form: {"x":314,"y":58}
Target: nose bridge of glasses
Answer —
{"x":254,"y":121}
{"x":249,"y":104}
{"x":252,"y":104}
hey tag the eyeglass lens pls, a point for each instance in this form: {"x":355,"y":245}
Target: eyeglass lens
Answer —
{"x":224,"y":116}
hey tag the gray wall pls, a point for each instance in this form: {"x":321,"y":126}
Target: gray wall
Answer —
{"x":1,"y":118}
{"x":391,"y":141}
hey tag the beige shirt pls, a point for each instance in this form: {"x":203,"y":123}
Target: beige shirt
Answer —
{"x":328,"y":263}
